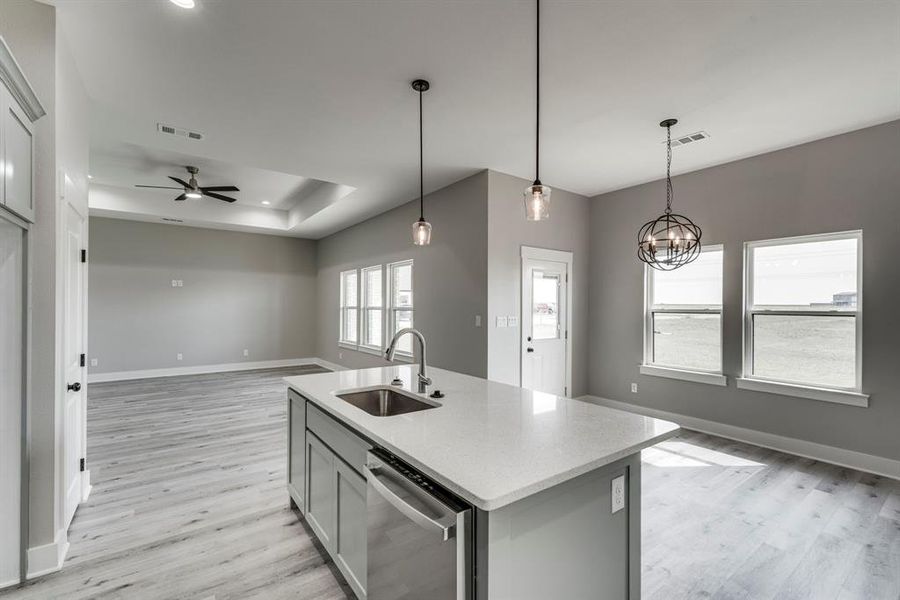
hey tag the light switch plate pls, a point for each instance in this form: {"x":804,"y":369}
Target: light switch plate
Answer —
{"x":618,"y":493}
{"x":501,"y":321}
{"x":513,"y":321}
{"x":477,"y":320}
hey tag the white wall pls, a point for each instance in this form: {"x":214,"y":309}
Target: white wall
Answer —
{"x":508,"y":231}
{"x":240,"y":291}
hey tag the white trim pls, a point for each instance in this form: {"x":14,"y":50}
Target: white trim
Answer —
{"x":17,"y":83}
{"x":838,"y":456}
{"x":803,"y":391}
{"x":86,"y":486}
{"x":203,"y":369}
{"x":49,"y":557}
{"x":561,"y":256}
{"x":684,"y":375}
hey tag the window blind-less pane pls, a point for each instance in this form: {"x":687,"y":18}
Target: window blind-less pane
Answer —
{"x":373,"y":292}
{"x":687,"y":341}
{"x":814,"y":350}
{"x":809,"y":275}
{"x":696,"y":283}
{"x":373,"y":327}
{"x":350,"y":290}
{"x":350,"y":325}
{"x":402,"y":320}
{"x":401,"y":285}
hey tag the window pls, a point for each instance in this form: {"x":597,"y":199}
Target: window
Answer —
{"x":349,"y":307}
{"x":369,"y":315}
{"x":373,"y":307}
{"x":803,"y":303}
{"x":683,"y":319}
{"x":400,"y":276}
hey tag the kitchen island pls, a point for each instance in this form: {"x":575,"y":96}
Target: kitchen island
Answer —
{"x":553,"y":483}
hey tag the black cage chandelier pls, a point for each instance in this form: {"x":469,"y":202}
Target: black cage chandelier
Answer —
{"x":671,"y":240}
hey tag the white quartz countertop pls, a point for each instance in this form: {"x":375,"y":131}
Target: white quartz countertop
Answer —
{"x":488,"y":442}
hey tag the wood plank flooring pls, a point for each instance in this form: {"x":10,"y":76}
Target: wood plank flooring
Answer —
{"x":189,"y":502}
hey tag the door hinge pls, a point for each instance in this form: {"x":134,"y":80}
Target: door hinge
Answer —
{"x":567,"y":334}
{"x":83,"y":255}
{"x":81,"y":464}
{"x":81,"y":360}
{"x":565,"y":391}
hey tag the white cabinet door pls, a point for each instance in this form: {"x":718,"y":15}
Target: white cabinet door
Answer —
{"x":18,"y":157}
{"x":320,"y":500}
{"x":350,"y":537}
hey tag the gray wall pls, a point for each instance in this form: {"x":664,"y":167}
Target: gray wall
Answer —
{"x":449,"y":276}
{"x":850,"y":181}
{"x":508,"y":231}
{"x":241,"y":290}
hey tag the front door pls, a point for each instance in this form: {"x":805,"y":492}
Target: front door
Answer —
{"x":544,"y":325}
{"x":75,"y":372}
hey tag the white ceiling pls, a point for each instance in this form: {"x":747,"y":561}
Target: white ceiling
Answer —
{"x":321,"y":90}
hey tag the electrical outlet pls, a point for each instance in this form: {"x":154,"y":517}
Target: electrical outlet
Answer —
{"x":340,"y":355}
{"x":618,"y":493}
{"x":501,"y":321}
{"x":246,"y":352}
{"x":179,"y":356}
{"x":634,"y":388}
{"x":513,"y":321}
{"x":477,"y":320}
{"x":94,"y":362}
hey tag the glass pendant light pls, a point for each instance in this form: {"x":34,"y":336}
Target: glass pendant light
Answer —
{"x":421,"y":228}
{"x":537,"y":195}
{"x":670,"y":240}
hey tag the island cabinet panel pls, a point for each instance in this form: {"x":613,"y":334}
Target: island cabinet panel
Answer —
{"x":350,"y":537}
{"x":564,"y":542}
{"x":17,"y":153}
{"x":320,"y":490}
{"x":297,"y":449}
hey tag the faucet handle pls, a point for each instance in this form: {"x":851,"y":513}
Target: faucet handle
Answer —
{"x":424,"y":380}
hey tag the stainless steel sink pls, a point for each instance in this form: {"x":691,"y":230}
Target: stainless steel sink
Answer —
{"x":385,"y":402}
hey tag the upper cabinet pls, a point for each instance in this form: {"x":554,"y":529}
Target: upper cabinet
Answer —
{"x":19,"y":109}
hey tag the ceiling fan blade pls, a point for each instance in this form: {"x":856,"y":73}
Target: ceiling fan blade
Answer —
{"x":181,"y":197}
{"x":181,"y":182}
{"x":219,"y":188}
{"x":218,"y":196}
{"x":162,"y":187}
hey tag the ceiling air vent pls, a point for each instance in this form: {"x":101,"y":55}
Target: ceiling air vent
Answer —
{"x":179,"y":131}
{"x":170,"y":220}
{"x":688,"y":139}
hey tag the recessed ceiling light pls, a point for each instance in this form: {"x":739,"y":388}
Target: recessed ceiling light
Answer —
{"x":183,"y":3}
{"x":90,"y":176}
{"x":266,"y":202}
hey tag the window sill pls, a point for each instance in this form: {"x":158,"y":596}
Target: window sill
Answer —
{"x":802,"y":391}
{"x":348,"y":345}
{"x":371,"y":350}
{"x":685,"y":375}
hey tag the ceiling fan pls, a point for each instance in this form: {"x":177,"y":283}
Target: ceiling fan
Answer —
{"x":193,"y":190}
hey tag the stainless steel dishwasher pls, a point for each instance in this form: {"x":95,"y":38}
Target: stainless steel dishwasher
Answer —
{"x":419,"y":535}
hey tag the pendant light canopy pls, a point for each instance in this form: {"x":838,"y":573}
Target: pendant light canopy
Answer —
{"x":421,"y":228}
{"x":537,"y":195}
{"x":671,"y":240}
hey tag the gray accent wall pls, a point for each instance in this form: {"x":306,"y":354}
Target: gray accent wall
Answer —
{"x":241,"y":291}
{"x":449,"y":276}
{"x":847,"y":182}
{"x":508,"y":231}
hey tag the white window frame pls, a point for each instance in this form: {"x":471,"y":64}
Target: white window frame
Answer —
{"x":648,"y":367}
{"x":849,"y":395}
{"x":365,"y":308}
{"x":392,"y":310}
{"x":342,"y":308}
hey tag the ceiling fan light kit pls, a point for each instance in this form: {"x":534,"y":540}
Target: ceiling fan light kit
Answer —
{"x":671,"y":240}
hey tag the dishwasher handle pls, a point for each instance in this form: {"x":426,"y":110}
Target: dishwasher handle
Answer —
{"x":445,"y":525}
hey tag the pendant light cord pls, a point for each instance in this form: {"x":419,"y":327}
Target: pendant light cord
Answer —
{"x":421,"y":166}
{"x":669,"y":191}
{"x":537,"y":94}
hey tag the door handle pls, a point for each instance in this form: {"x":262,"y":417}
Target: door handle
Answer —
{"x":529,"y":349}
{"x":74,"y":387}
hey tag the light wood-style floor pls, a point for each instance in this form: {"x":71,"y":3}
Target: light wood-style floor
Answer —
{"x":189,"y":502}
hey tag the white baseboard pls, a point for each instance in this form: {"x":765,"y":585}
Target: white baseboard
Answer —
{"x":86,"y":486}
{"x":49,"y":557}
{"x":204,"y":369}
{"x":838,"y":456}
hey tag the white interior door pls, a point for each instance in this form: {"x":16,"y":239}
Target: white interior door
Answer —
{"x":545,"y":321}
{"x":12,"y":352}
{"x":75,"y":371}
